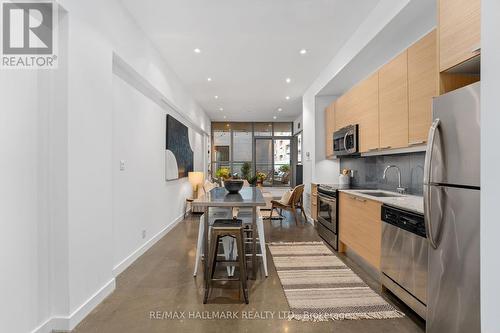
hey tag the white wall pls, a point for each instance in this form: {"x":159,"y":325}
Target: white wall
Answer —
{"x":326,"y":170}
{"x":391,"y":27}
{"x":23,"y":241}
{"x":297,"y":124}
{"x":142,"y":201}
{"x":490,"y":164}
{"x":382,"y":14}
{"x":57,"y":170}
{"x":33,"y":210}
{"x":94,"y":35}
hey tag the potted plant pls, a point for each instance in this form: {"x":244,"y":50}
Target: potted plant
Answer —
{"x":252,"y":180}
{"x":261,"y":176}
{"x":222,"y":174}
{"x":245,"y":171}
{"x":284,"y":168}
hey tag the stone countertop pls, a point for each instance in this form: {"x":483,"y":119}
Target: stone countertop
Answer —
{"x":220,"y":197}
{"x":411,"y":203}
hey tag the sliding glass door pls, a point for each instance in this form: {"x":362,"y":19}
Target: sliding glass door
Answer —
{"x":264,"y":159}
{"x":247,"y":148}
{"x":282,"y":162}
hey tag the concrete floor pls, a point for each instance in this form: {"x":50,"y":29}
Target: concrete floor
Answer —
{"x":162,"y":280}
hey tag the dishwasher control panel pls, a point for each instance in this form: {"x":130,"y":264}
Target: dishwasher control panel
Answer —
{"x":406,"y":220}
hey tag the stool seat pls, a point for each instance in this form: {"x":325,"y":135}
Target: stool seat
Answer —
{"x":228,"y":223}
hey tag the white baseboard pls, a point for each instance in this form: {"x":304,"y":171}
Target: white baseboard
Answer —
{"x":45,"y":327}
{"x":143,"y":248}
{"x":77,"y":316}
{"x":68,"y":323}
{"x":310,"y":219}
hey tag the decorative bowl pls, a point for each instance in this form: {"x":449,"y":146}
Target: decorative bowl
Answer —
{"x":233,"y":185}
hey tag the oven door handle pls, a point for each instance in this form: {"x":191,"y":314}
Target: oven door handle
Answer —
{"x":329,"y":200}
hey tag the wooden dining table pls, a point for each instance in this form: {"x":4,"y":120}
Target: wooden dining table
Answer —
{"x":247,"y":197}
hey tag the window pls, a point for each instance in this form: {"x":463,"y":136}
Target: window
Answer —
{"x":247,"y":148}
{"x":299,"y":148}
{"x":263,"y":129}
{"x":242,"y":141}
{"x":283,"y":129}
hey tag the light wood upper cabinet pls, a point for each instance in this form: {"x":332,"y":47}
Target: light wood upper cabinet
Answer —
{"x":393,"y":99}
{"x":422,"y":87}
{"x":329,"y":129}
{"x":459,"y":31}
{"x":341,"y":106}
{"x":360,"y":227}
{"x":366,"y":113}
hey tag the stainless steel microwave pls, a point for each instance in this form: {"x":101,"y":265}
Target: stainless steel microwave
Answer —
{"x":345,"y":141}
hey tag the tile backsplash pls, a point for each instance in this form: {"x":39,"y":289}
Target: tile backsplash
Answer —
{"x":368,"y":171}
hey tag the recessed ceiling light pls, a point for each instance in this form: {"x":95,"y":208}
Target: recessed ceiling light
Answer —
{"x":288,"y":80}
{"x":280,"y":109}
{"x":287,"y":98}
{"x":197,"y":50}
{"x":274,"y":117}
{"x":216,"y":97}
{"x":209,"y":79}
{"x":225,"y":118}
{"x":221,"y":109}
{"x":303,"y":51}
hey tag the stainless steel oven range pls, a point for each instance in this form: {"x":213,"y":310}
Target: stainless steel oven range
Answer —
{"x":327,"y":214}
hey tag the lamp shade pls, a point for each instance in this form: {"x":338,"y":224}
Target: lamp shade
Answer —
{"x":196,"y":178}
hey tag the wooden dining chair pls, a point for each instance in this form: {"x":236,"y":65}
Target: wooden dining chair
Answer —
{"x":294,"y":202}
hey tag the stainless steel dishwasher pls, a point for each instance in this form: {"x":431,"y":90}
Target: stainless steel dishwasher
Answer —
{"x":404,"y":257}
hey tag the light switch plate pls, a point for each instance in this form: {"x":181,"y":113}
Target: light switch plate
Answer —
{"x":122,"y":165}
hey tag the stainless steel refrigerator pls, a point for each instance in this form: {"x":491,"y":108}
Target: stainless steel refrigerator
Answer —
{"x":451,"y":205}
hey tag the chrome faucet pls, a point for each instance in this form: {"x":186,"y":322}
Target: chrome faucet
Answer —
{"x":400,"y":189}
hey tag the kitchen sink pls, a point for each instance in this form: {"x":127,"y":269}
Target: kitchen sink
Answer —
{"x":381,"y":194}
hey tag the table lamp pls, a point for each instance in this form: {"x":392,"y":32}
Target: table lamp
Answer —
{"x":196,"y":179}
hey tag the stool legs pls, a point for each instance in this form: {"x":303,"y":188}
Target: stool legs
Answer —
{"x":240,"y":240}
{"x":262,"y":243}
{"x":199,"y":245}
{"x":212,"y":261}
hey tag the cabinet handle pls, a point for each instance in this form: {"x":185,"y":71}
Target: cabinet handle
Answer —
{"x":373,"y":149}
{"x":414,"y":143}
{"x":357,"y":198}
{"x":386,"y":147}
{"x":476,"y":49}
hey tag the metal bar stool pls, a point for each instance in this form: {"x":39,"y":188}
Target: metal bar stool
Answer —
{"x":232,"y":228}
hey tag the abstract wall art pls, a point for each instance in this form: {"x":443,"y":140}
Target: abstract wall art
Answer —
{"x":178,"y":153}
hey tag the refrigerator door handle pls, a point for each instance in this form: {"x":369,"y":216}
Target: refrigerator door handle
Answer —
{"x":427,"y":185}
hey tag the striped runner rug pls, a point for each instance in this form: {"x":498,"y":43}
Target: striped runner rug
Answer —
{"x":320,"y":287}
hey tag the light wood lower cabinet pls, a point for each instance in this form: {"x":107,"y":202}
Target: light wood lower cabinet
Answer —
{"x":360,"y":227}
{"x":393,"y":99}
{"x":314,"y":202}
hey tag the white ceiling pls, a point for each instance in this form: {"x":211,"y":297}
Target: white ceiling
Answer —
{"x":415,"y":20}
{"x":249,"y":48}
